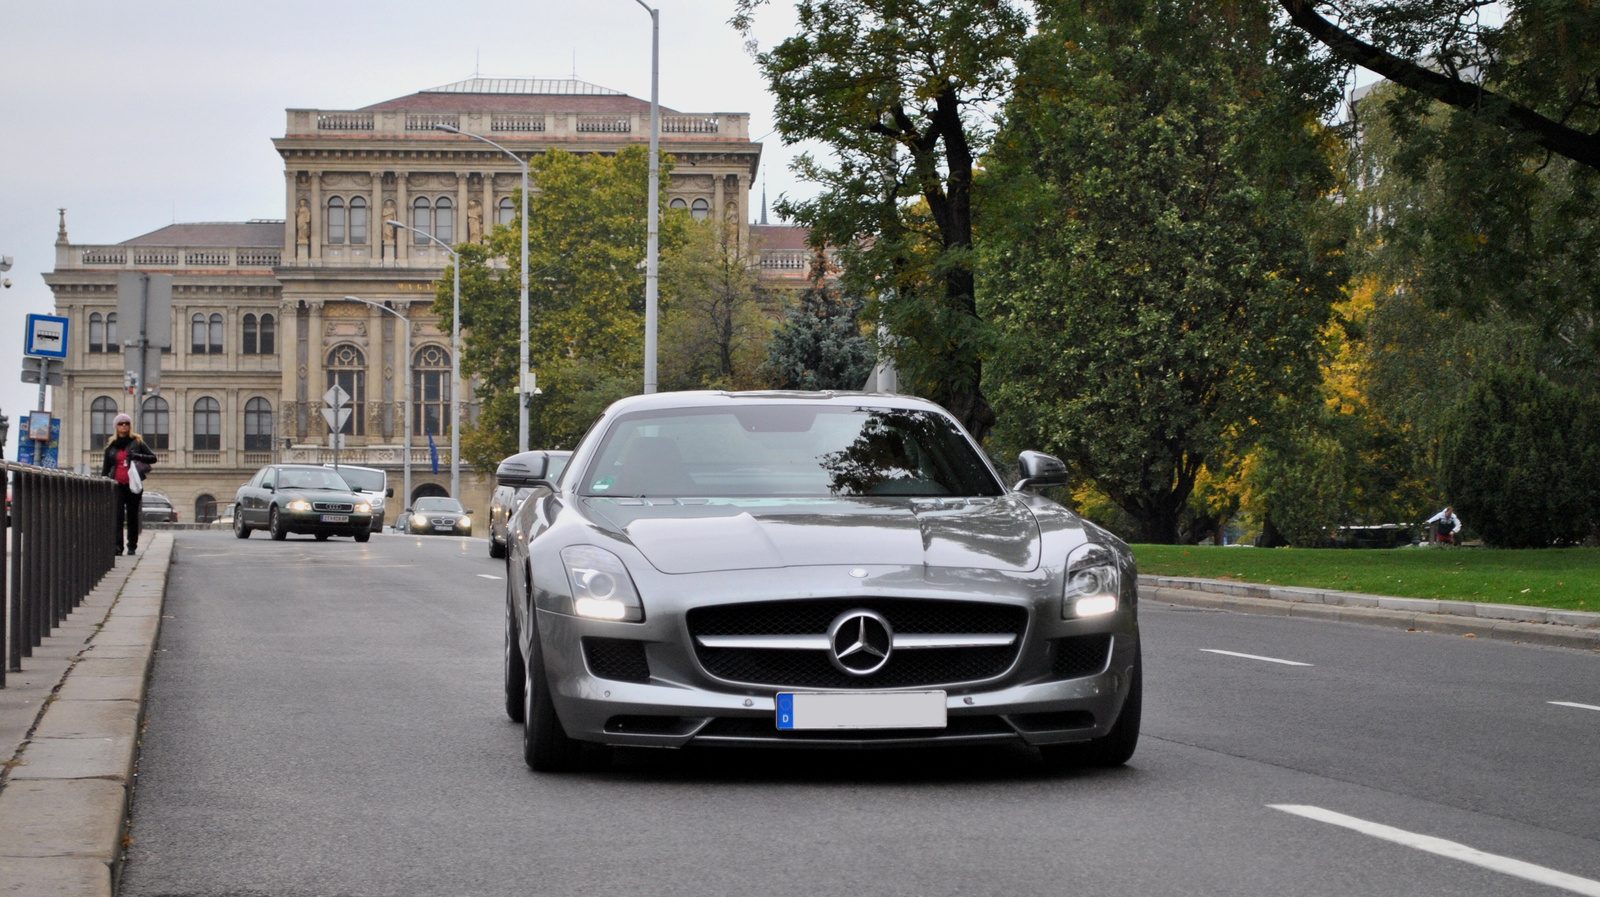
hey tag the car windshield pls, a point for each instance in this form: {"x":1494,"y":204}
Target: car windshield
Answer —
{"x":786,"y":450}
{"x":310,"y":478}
{"x":152,"y":499}
{"x":438,"y":504}
{"x":362,"y":479}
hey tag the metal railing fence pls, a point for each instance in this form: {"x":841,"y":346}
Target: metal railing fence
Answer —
{"x":56,"y":542}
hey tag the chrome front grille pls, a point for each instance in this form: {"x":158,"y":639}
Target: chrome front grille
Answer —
{"x":785,"y":643}
{"x":334,"y":507}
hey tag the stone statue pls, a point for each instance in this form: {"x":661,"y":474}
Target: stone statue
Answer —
{"x":389,"y":214}
{"x":474,"y":221}
{"x":302,"y":223}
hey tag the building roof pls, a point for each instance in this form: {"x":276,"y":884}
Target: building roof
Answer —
{"x":516,"y":95}
{"x":259,"y":232}
{"x":780,"y":236}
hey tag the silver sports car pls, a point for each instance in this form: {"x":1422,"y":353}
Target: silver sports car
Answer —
{"x":829,"y":570}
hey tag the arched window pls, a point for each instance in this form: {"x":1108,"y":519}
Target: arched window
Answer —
{"x":347,"y":367}
{"x":207,"y":425}
{"x":197,"y":334}
{"x":247,"y":339}
{"x":155,"y":424}
{"x":358,"y":220}
{"x":97,"y":334}
{"x":701,"y":210}
{"x":508,"y":212}
{"x":113,"y":345}
{"x":258,"y":425}
{"x":335,"y":219}
{"x":677,"y":203}
{"x":444,"y":220}
{"x":421,"y":219}
{"x":101,"y":412}
{"x":216,"y":334}
{"x":430,"y":391}
{"x":205,"y":508}
{"x":269,"y":334}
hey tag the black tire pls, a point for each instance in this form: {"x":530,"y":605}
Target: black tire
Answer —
{"x":275,"y":527}
{"x":516,"y":670}
{"x":545,"y":745}
{"x":322,"y":537}
{"x":239,"y":529}
{"x":1115,"y":747}
{"x":363,"y":536}
{"x":496,"y":549}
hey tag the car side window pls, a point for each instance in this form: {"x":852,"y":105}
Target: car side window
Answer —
{"x":268,"y":479}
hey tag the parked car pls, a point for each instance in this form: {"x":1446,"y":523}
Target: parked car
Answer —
{"x":301,"y":498}
{"x":157,"y":508}
{"x":374,"y":484}
{"x":825,"y":570}
{"x":506,"y":498}
{"x":438,"y":516}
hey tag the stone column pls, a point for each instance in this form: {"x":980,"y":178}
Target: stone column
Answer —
{"x":716,"y":199}
{"x":316,"y":383}
{"x":375,"y":221}
{"x":402,"y":213}
{"x":288,"y":218}
{"x":743,"y":199}
{"x":460,"y":234}
{"x":316,"y":216}
{"x":377,"y":362}
{"x":491,"y":212}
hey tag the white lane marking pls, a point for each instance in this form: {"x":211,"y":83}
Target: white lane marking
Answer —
{"x":1292,"y":663}
{"x":489,"y":576}
{"x":1450,"y":849}
{"x":1570,"y":704}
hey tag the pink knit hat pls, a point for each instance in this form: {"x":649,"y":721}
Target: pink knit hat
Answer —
{"x":122,"y":419}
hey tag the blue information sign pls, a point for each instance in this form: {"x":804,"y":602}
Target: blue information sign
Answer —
{"x":28,"y":449}
{"x":47,"y":336}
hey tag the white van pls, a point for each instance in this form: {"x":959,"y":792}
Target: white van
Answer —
{"x":372,"y":482}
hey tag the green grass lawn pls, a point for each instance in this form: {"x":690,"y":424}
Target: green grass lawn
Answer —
{"x":1564,"y":578}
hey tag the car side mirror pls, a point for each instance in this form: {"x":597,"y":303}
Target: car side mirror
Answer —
{"x":389,"y":493}
{"x":269,"y":487}
{"x":470,"y":511}
{"x":1040,"y":470}
{"x":524,"y":470}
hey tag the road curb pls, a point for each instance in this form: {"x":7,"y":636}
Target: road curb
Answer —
{"x":64,"y":796}
{"x":1504,"y":622}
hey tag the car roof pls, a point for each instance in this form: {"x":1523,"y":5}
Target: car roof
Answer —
{"x":725,"y":399}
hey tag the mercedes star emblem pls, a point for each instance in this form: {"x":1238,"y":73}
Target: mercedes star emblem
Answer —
{"x":860,"y":642}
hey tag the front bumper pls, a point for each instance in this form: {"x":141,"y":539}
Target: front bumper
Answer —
{"x":311,"y":522}
{"x":682,"y":706}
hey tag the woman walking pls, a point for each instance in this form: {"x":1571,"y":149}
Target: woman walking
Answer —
{"x":123,"y":451}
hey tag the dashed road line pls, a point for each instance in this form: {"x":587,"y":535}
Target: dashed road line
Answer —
{"x":490,"y":576}
{"x":1451,"y":849}
{"x":1571,"y":704}
{"x":1292,"y":663}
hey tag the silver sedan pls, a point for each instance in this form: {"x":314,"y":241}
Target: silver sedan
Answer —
{"x":810,"y":570}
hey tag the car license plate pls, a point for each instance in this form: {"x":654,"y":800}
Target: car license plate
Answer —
{"x":443,"y":527}
{"x":862,"y":710}
{"x":335,"y":518}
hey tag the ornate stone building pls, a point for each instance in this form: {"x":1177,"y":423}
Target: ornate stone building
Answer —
{"x":261,"y":328}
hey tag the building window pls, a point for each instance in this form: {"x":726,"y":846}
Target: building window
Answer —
{"x":97,"y":334}
{"x":207,"y":425}
{"x":216,"y":334}
{"x":335,"y":219}
{"x":508,"y":211}
{"x":247,"y":341}
{"x":444,"y":218}
{"x":258,"y":425}
{"x":102,"y":412}
{"x":422,"y":220}
{"x":155,"y":424}
{"x":205,"y":335}
{"x":269,"y":334}
{"x":113,"y":345}
{"x":430,"y":391}
{"x":347,"y":368}
{"x":205,"y":508}
{"x":358,"y":220}
{"x":701,"y":210}
{"x":677,"y":203}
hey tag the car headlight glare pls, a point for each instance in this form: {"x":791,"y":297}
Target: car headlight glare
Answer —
{"x":1094,"y":582}
{"x":601,"y":586}
{"x":464,"y":523}
{"x":363,"y":508}
{"x":299,"y":504}
{"x":419,"y":520}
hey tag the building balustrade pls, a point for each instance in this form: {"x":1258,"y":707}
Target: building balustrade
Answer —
{"x":512,"y":122}
{"x":515,"y":125}
{"x":424,"y":121}
{"x":89,"y":256}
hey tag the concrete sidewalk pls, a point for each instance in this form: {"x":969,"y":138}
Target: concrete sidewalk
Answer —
{"x":69,"y":733}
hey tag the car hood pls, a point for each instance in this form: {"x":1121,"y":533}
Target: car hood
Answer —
{"x":316,"y":495}
{"x":702,"y":535}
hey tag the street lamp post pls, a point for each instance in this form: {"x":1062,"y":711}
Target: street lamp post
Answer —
{"x":652,"y":247}
{"x":455,"y":362}
{"x":405,"y":331}
{"x":522,"y":337}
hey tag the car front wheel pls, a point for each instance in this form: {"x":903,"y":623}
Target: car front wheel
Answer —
{"x":516,"y":670}
{"x":1115,"y":747}
{"x":275,"y":526}
{"x":363,"y":536}
{"x":545,"y":745}
{"x":239,"y":528}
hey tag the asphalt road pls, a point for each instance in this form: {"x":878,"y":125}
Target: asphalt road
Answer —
{"x":325,"y":718}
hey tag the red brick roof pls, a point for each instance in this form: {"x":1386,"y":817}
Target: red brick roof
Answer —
{"x":214,"y":233}
{"x":780,"y":236}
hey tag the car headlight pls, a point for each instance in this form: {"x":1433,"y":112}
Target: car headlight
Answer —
{"x":601,"y":586}
{"x":464,"y":523}
{"x":299,"y":504}
{"x":1094,"y":582}
{"x":363,"y":508}
{"x":418,"y":520}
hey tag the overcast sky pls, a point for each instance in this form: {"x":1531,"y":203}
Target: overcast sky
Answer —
{"x":135,"y":115}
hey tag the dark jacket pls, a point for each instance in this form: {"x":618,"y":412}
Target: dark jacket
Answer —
{"x":137,"y":451}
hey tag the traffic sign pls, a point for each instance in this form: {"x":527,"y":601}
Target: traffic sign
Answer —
{"x":52,"y":375}
{"x":336,"y":417}
{"x":336,"y":396}
{"x":47,"y":336}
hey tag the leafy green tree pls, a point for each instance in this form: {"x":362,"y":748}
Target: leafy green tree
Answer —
{"x":1521,"y":463}
{"x":1155,"y":282}
{"x":586,"y":236}
{"x":819,"y":344}
{"x":714,"y":332}
{"x":896,"y":89}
